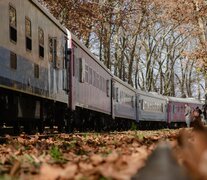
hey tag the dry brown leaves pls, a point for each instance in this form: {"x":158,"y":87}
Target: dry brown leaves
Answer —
{"x":191,"y":152}
{"x":80,"y":156}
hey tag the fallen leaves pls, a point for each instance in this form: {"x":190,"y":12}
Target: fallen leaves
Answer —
{"x":80,"y":156}
{"x":191,"y":152}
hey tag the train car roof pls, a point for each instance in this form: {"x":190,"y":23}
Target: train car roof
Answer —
{"x":184,"y":100}
{"x":46,"y":12}
{"x":82,"y":46}
{"x":123,"y":83}
{"x":151,"y":94}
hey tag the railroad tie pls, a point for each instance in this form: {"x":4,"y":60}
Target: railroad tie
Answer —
{"x":161,"y":165}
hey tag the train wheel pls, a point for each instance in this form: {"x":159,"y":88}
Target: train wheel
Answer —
{"x":68,"y":121}
{"x":40,"y":125}
{"x":16,"y":126}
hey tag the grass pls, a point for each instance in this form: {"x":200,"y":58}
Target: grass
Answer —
{"x":55,"y":153}
{"x":32,"y":161}
{"x":139,"y":135}
{"x":133,"y":127}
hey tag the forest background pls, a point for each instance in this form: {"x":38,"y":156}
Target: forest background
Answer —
{"x":154,"y":45}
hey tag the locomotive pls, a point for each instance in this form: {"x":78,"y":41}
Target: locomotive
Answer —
{"x":48,"y":78}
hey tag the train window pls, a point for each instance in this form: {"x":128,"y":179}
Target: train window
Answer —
{"x":98,"y":81}
{"x":13,"y":24}
{"x":28,"y":33}
{"x":141,"y":104}
{"x":36,"y":71}
{"x":86,"y":73}
{"x":121,"y":95}
{"x":82,"y":69}
{"x":113,"y":91}
{"x":13,"y":60}
{"x":104,"y":85}
{"x":108,"y":88}
{"x":90,"y":75}
{"x":67,"y":54}
{"x":96,"y":85}
{"x":52,"y":50}
{"x":103,"y":82}
{"x":94,"y":78}
{"x":50,"y":46}
{"x":132,"y":100}
{"x":41,"y":42}
{"x":117,"y":94}
{"x":162,"y":108}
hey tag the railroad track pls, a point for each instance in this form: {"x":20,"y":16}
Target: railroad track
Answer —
{"x":161,"y":165}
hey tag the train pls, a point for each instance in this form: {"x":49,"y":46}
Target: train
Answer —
{"x":48,"y":78}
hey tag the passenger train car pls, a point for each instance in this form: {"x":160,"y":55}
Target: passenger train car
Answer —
{"x":152,"y":108}
{"x":176,"y":109}
{"x":48,"y":78}
{"x":34,"y":69}
{"x":124,"y":101}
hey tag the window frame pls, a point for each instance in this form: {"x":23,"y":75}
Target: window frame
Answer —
{"x":41,"y":44}
{"x":26,"y":35}
{"x":11,"y":26}
{"x":36,"y":71}
{"x":108,"y":88}
{"x":86,"y":74}
{"x":13,"y":60}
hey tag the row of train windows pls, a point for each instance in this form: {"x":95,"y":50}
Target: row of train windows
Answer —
{"x":93,"y":78}
{"x":86,"y":74}
{"x":177,"y":109}
{"x":28,"y":32}
{"x":13,"y":64}
{"x":28,"y":36}
{"x":123,"y":97}
{"x":151,"y":106}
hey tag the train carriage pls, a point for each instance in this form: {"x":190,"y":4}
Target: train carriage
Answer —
{"x":90,"y":86}
{"x":176,"y":109}
{"x":124,"y":102}
{"x":33,"y":62}
{"x":49,"y":78}
{"x":152,"y":108}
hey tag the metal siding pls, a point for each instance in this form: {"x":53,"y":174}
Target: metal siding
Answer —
{"x":27,"y":59}
{"x":24,"y":74}
{"x":87,"y":95}
{"x":123,"y":110}
{"x":152,"y":116}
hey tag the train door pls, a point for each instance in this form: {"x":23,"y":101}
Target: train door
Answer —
{"x":52,"y":65}
{"x":74,"y":86}
{"x":66,"y":68}
{"x":112,"y":97}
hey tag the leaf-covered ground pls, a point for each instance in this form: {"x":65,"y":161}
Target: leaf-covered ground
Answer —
{"x":80,"y":156}
{"x":191,"y":152}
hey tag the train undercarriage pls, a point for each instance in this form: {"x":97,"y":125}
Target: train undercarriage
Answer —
{"x":21,"y":112}
{"x":30,"y":114}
